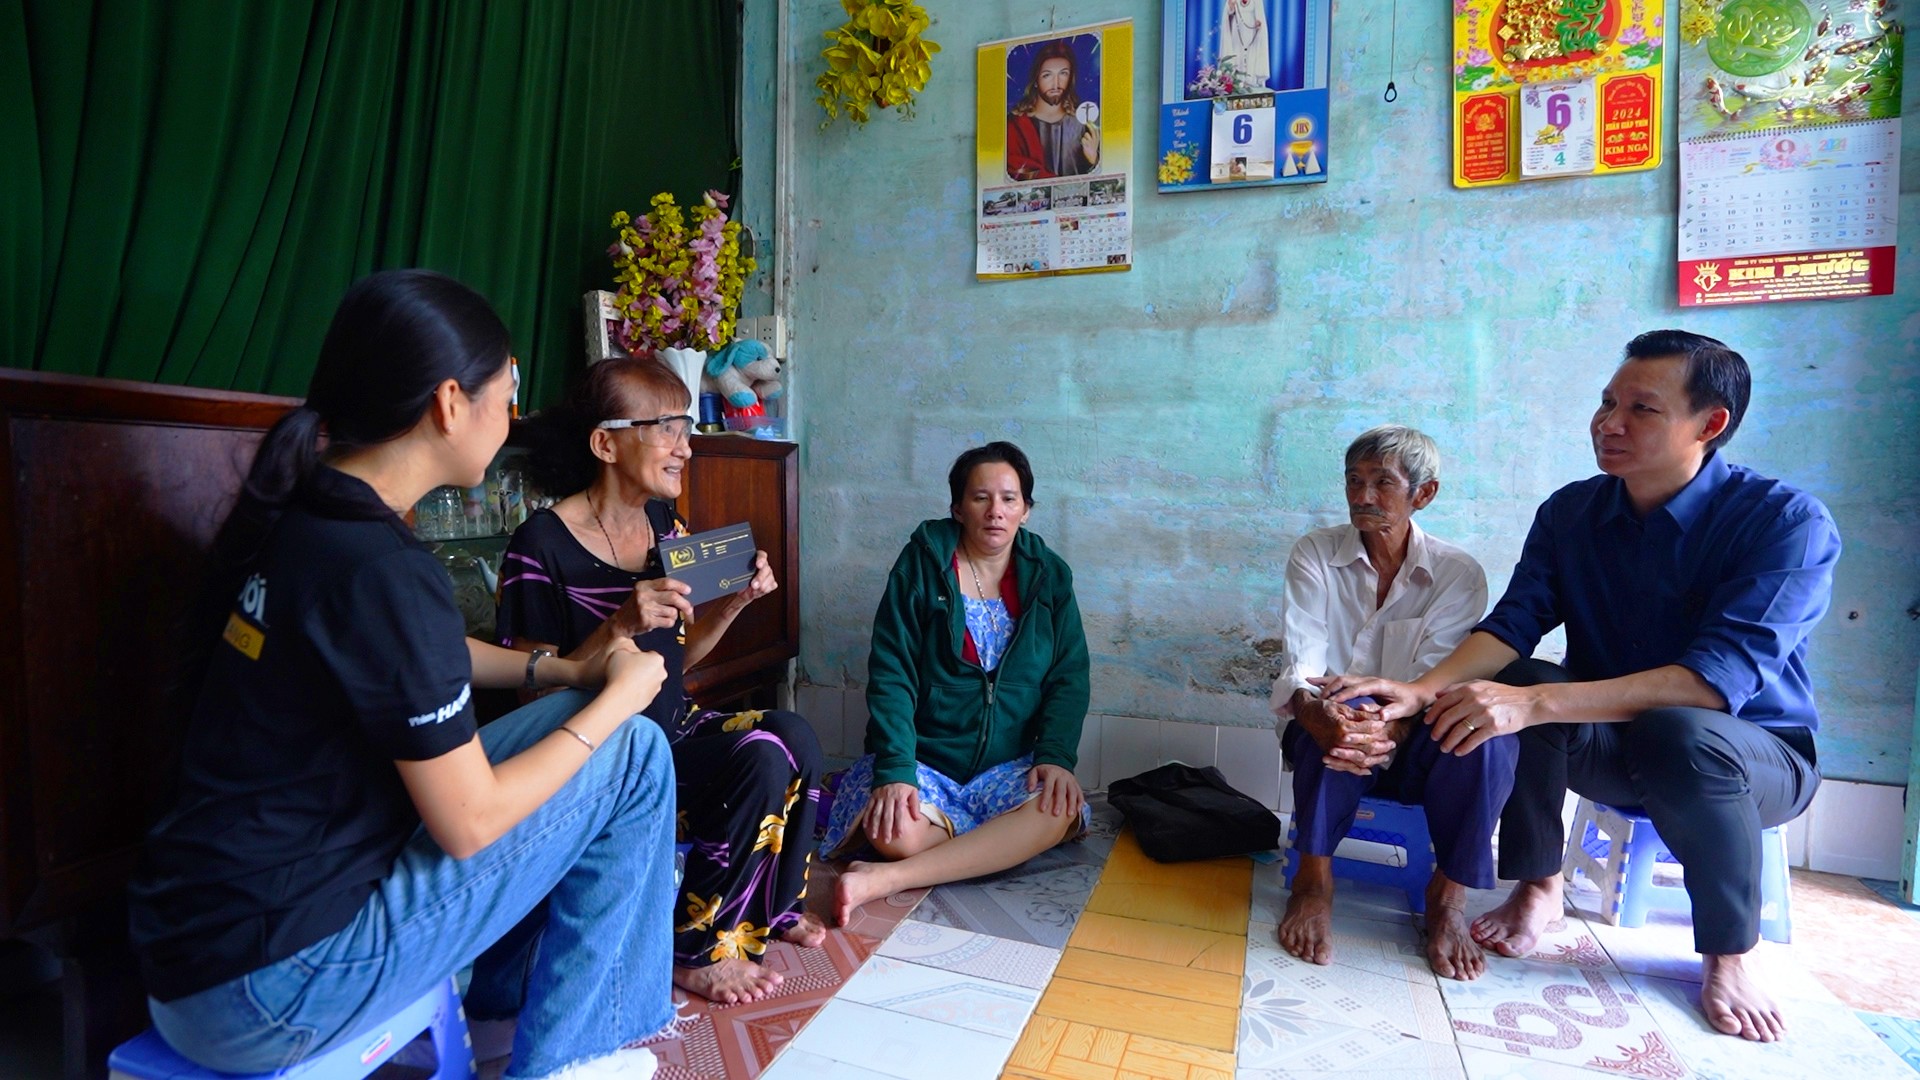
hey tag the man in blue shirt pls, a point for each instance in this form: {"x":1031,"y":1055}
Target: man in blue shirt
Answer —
{"x":1688,"y":586}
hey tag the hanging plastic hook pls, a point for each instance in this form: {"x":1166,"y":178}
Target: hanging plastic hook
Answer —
{"x":1393,"y":50}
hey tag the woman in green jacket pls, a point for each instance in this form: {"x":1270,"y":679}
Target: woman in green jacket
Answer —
{"x":976,"y":688}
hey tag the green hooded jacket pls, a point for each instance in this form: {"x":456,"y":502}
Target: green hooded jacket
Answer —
{"x":928,"y":703}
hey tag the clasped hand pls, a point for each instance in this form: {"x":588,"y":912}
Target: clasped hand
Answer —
{"x":623,"y":668}
{"x":1463,"y":715}
{"x":1354,"y":740}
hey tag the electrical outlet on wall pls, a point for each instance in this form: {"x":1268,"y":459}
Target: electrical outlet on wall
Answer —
{"x":769,"y":330}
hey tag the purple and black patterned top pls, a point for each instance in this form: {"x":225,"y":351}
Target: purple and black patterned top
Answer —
{"x":555,"y":591}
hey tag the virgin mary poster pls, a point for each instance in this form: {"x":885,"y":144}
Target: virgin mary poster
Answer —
{"x":1243,"y":93}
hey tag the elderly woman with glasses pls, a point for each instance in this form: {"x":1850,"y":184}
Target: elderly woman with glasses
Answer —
{"x":587,"y":569}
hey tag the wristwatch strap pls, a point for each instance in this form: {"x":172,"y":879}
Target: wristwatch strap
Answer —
{"x":532,"y":659}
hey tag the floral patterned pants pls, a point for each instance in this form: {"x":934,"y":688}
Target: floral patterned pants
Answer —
{"x":748,"y":787}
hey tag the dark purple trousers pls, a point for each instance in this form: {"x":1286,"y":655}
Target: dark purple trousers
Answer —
{"x":1462,"y":796}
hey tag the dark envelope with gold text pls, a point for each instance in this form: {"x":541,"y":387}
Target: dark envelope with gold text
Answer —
{"x":713,"y":563}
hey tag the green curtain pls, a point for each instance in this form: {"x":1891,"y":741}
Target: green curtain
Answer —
{"x":188,"y":187}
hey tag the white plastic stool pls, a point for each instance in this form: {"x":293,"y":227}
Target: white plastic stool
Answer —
{"x":1617,"y":849}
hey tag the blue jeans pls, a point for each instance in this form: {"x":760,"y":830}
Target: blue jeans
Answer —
{"x":599,"y":853}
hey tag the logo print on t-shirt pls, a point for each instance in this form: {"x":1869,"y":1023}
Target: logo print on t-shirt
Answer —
{"x":445,"y":712}
{"x":253,"y":600}
{"x":246,"y":628}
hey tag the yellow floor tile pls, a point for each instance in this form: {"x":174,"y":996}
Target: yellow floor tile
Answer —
{"x":1221,"y":911}
{"x":1182,"y":946}
{"x":1037,"y":1044}
{"x":1195,"y":1057}
{"x":1139,"y":1013}
{"x":1128,"y":863}
{"x":1229,"y":957}
{"x":1167,"y":980}
{"x":1052,"y":1049}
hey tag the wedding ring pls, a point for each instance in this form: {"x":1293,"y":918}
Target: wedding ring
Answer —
{"x":1473,"y":727}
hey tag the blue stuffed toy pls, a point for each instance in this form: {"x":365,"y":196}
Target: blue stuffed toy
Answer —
{"x":745,"y":373}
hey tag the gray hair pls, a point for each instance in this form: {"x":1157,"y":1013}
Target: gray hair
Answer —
{"x":1414,"y":451}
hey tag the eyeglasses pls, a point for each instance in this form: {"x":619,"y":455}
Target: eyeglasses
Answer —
{"x":660,"y":431}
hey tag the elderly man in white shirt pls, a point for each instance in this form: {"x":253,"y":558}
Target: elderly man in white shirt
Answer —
{"x":1380,"y":596}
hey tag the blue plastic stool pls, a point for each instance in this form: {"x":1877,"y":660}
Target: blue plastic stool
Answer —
{"x":1383,"y":821}
{"x":1618,"y":850}
{"x":148,"y":1057}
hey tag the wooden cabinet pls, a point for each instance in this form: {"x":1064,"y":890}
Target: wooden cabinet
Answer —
{"x":110,"y":493}
{"x":733,"y":479}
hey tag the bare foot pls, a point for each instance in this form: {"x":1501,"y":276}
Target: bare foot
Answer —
{"x":728,"y":982}
{"x":1451,"y":950}
{"x":1306,"y":930}
{"x":1513,"y":928}
{"x":857,"y":884}
{"x":1734,"y":1002}
{"x":808,"y":933}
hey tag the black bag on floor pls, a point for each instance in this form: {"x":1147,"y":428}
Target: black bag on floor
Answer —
{"x":1180,"y":813}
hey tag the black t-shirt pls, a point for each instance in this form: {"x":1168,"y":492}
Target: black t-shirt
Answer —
{"x":343,"y":653}
{"x":555,"y":591}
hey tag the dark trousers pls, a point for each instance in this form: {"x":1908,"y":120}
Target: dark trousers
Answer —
{"x":747,"y":785}
{"x":1462,"y":797}
{"x":1708,"y":781}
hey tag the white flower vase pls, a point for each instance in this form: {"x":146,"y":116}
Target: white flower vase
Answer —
{"x":688,"y":364}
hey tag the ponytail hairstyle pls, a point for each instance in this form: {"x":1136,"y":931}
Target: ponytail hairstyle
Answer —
{"x":397,"y":335}
{"x":560,"y":460}
{"x":395,"y":338}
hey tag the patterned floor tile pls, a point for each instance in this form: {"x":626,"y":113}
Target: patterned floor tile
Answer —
{"x":1484,"y":1064}
{"x":1287,"y":1006}
{"x":1393,"y":949}
{"x":1036,"y":902}
{"x":950,"y":997}
{"x":797,"y":1064}
{"x":902,"y":1046}
{"x":1408,"y":1059}
{"x":1276,"y":1040}
{"x":1902,"y":1035}
{"x":1018,"y":963}
{"x":1415,"y":1008}
{"x":1663,"y":948}
{"x":736,"y":1042}
{"x":1351,"y":899}
{"x":1566,"y":1014}
{"x":1822,"y":1040}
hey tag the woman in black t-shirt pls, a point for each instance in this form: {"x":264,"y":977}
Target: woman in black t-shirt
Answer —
{"x":344,"y":839}
{"x":586,"y":572}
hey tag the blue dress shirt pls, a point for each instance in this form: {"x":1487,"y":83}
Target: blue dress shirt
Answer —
{"x":1727,"y":579}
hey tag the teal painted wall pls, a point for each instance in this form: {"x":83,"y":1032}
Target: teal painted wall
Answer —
{"x":1186,"y":419}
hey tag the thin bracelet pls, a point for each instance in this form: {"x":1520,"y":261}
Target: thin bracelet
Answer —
{"x":584,"y":741}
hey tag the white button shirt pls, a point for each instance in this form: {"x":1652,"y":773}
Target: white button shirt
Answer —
{"x":1332,"y":627}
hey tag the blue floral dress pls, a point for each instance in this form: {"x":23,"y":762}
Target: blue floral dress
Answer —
{"x":954,"y":806}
